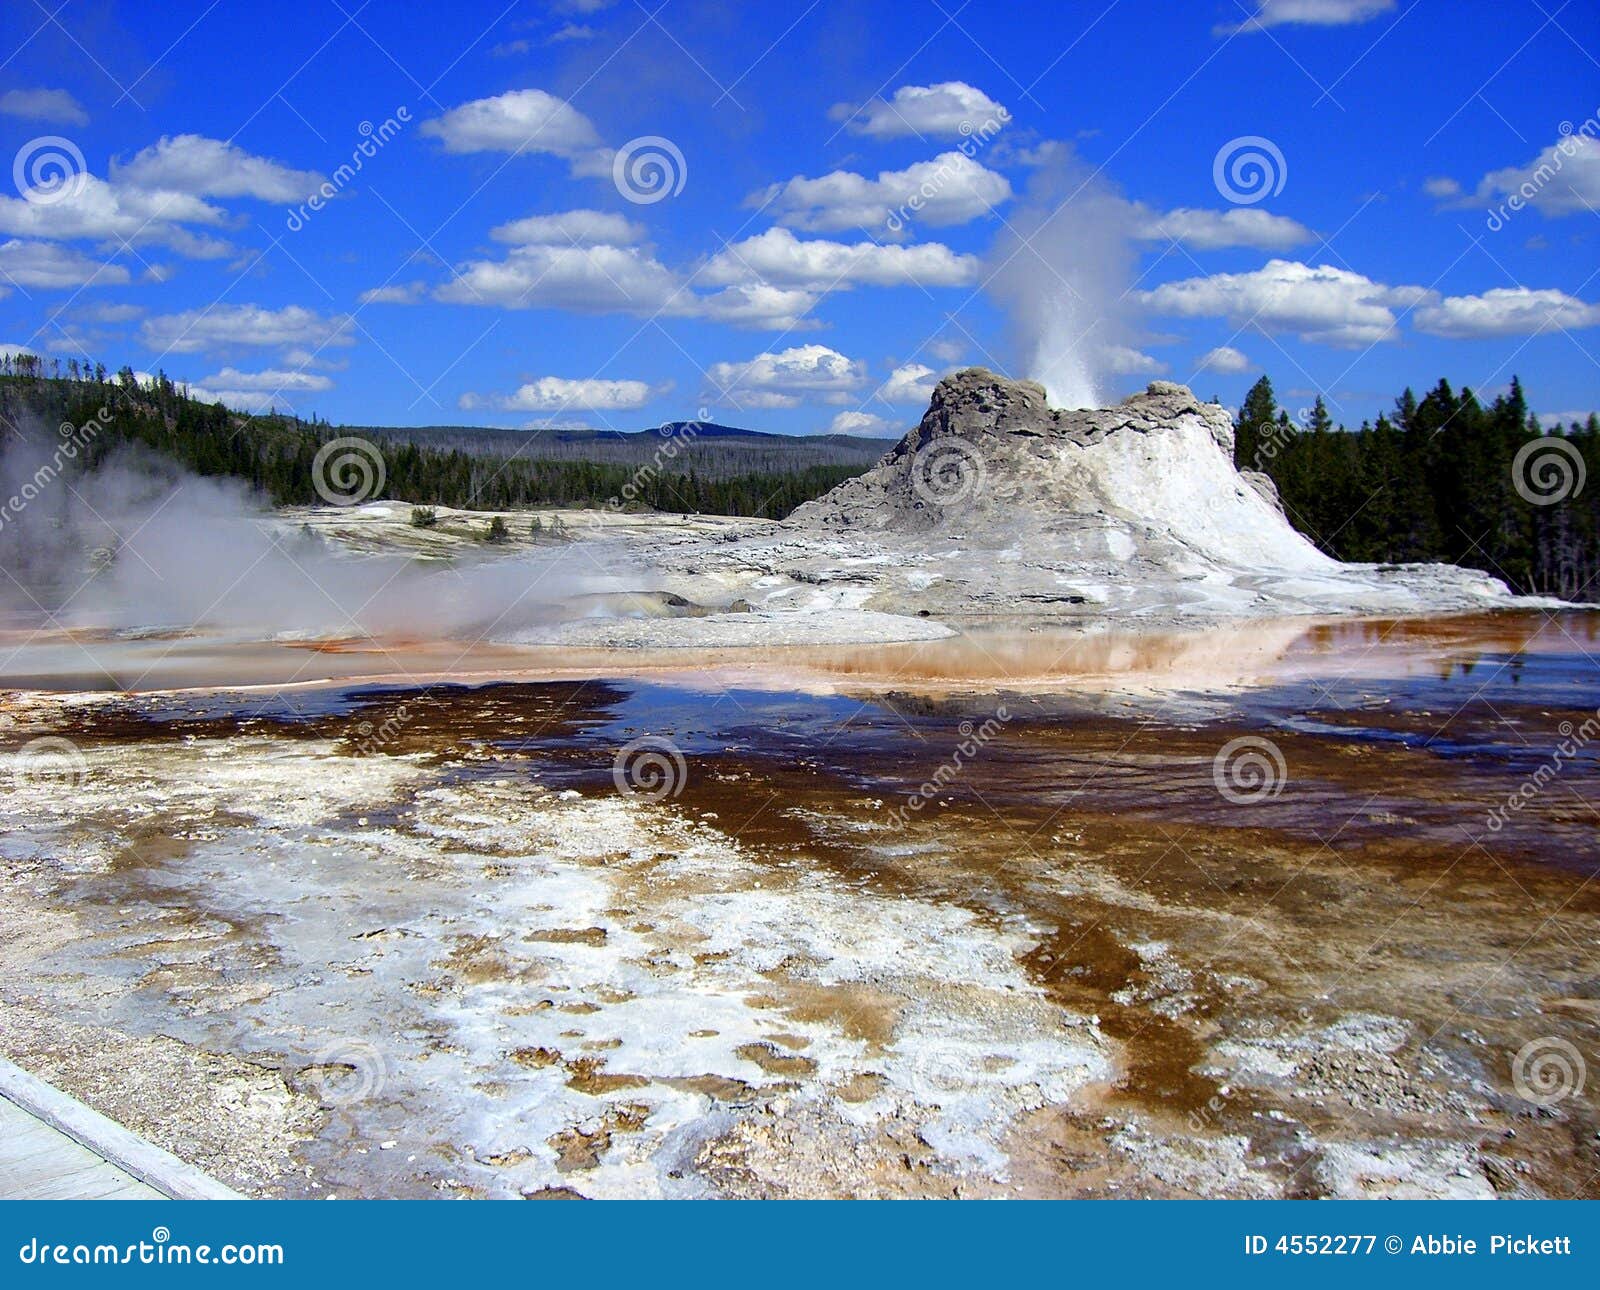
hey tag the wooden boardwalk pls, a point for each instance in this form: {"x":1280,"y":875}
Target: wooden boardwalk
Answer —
{"x":38,"y":1162}
{"x":53,"y":1147}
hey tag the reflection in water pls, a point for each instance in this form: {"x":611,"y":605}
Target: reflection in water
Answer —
{"x":1077,"y":967}
{"x":1201,"y":658}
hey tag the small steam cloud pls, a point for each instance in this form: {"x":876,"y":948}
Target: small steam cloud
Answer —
{"x":1062,"y":270}
{"x":141,"y":543}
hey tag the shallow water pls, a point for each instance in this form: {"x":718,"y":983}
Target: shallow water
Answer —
{"x":1204,"y":656}
{"x":881,"y":939}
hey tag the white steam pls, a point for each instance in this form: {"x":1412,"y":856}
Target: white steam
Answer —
{"x":1063,"y":271}
{"x":140,"y":543}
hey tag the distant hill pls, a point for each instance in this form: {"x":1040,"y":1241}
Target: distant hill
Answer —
{"x":704,"y":447}
{"x":683,"y":467}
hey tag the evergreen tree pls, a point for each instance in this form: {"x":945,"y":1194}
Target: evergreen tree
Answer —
{"x":1257,"y":416}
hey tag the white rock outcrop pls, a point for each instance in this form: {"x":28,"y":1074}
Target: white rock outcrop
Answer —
{"x":1153,"y":476}
{"x":997,"y":505}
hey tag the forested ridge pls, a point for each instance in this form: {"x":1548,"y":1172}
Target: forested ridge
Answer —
{"x":1438,"y":479}
{"x":276,"y":454}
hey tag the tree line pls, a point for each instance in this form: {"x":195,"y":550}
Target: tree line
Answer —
{"x":1440,"y":478}
{"x":275,"y":453}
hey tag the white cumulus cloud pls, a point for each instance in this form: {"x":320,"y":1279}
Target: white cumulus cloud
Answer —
{"x":868,"y":424}
{"x":1564,"y":179}
{"x":778,"y":256}
{"x":908,"y":383}
{"x":947,"y":110}
{"x":1124,"y":360}
{"x":272,"y":380}
{"x":44,"y":105}
{"x":952,"y":188}
{"x":1311,"y":13}
{"x":616,"y":279}
{"x":805,"y":373}
{"x":92,"y":208}
{"x":570,"y":228}
{"x":559,"y":393}
{"x":1321,"y":303}
{"x":1225,"y":359}
{"x":194,"y":164}
{"x":41,"y":264}
{"x":584,"y":279}
{"x":1210,"y":230}
{"x":1506,"y":311}
{"x":522,"y":121}
{"x":758,"y":305}
{"x":243,"y":326}
{"x":396,"y":293}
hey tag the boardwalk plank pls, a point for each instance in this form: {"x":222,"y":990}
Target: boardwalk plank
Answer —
{"x":54,"y":1147}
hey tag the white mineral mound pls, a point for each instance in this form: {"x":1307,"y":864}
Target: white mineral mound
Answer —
{"x":998,"y":503}
{"x":1000,"y":509}
{"x":1152,"y":477}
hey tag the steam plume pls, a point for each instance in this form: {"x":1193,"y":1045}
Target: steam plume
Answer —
{"x":142,"y":543}
{"x":1062,"y":270}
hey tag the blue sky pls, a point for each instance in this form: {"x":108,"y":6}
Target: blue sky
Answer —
{"x":794,"y":217}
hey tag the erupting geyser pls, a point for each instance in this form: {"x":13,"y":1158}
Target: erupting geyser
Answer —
{"x":1063,"y":270}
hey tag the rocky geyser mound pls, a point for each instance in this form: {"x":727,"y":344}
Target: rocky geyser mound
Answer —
{"x":1153,"y":476}
{"x":998,"y":502}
